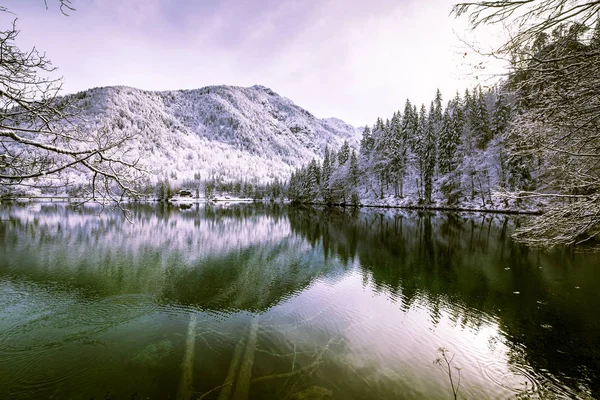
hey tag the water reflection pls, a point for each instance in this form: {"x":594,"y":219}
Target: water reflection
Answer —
{"x":544,"y":303}
{"x":211,"y":257}
{"x":343,"y":304}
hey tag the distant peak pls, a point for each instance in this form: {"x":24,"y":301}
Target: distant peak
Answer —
{"x":265,"y":89}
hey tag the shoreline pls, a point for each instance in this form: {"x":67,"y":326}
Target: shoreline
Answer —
{"x":458,"y":209}
{"x":67,"y":199}
{"x":427,"y":208}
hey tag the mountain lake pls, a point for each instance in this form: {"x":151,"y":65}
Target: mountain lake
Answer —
{"x":264,"y":301}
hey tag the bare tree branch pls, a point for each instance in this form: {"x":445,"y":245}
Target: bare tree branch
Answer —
{"x":42,"y":135}
{"x":554,"y":50}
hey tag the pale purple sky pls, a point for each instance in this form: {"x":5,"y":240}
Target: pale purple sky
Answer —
{"x":352,"y":59}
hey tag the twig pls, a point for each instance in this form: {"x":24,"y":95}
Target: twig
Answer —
{"x":448,"y":369}
{"x":226,"y":384}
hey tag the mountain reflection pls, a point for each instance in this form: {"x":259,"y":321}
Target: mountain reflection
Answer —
{"x":210,"y":257}
{"x":254,"y":257}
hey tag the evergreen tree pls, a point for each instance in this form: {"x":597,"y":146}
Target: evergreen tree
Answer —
{"x":432,"y":126}
{"x":420,"y":149}
{"x":469,"y":118}
{"x":448,"y":145}
{"x":168,"y":190}
{"x":398,"y":153}
{"x":449,"y":138}
{"x":410,"y":122}
{"x":326,"y":171}
{"x":353,"y":171}
{"x":326,"y":176}
{"x":366,"y":142}
{"x":500,"y":120}
{"x":313,"y":180}
{"x":380,"y":159}
{"x":293,"y":187}
{"x":344,"y":153}
{"x":437,"y":111}
{"x":482,"y":121}
{"x":161,"y":193}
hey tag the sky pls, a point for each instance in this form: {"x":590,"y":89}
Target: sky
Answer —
{"x":352,"y":59}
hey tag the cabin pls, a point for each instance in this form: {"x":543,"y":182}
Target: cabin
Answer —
{"x":185,"y":193}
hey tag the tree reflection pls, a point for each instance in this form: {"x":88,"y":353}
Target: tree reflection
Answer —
{"x":253,"y":257}
{"x":468,"y":266}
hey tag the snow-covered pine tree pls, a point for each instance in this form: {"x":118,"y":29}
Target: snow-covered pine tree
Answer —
{"x":344,"y":153}
{"x":398,"y":150}
{"x":501,"y":115}
{"x":481,"y":120}
{"x":431,"y":131}
{"x":366,"y":142}
{"x":448,"y":156}
{"x":326,"y":176}
{"x":378,"y":161}
{"x":313,"y":180}
{"x":420,"y":149}
{"x":410,"y":122}
{"x":353,"y":170}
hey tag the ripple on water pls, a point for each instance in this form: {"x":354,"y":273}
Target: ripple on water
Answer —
{"x":37,"y":375}
{"x":60,"y":344}
{"x":515,"y":378}
{"x":115,"y":310}
{"x":73,"y":323}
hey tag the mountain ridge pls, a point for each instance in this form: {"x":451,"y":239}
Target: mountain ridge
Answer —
{"x":223,"y":132}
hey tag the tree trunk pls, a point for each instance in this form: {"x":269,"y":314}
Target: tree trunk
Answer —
{"x":242,"y":385}
{"x":187,"y":365}
{"x":225,"y":393}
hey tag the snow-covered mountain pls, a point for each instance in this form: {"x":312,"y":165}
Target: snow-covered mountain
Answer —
{"x":226,"y":132}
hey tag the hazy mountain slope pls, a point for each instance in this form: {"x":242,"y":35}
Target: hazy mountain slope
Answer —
{"x":217,"y":131}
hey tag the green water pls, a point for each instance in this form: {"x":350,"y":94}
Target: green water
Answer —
{"x":278,"y":302}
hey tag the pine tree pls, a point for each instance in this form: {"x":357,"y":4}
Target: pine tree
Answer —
{"x":410,"y":122}
{"x":398,"y":150}
{"x":469,"y":118}
{"x":500,"y":120}
{"x":381,"y":157}
{"x":344,"y":153}
{"x":326,"y":176}
{"x":447,"y":143}
{"x":437,"y":111}
{"x":448,"y":146}
{"x":482,"y":120}
{"x":353,"y":172}
{"x":326,"y":172}
{"x":366,"y":142}
{"x":160,"y":191}
{"x":420,"y":149}
{"x":293,"y":187}
{"x":432,"y":124}
{"x":313,"y":180}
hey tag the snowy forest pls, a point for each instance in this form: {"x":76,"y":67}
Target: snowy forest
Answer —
{"x":425,"y":156}
{"x":529,"y":143}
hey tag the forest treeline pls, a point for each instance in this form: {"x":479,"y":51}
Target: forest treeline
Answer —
{"x":438,"y":155}
{"x":528,"y":142}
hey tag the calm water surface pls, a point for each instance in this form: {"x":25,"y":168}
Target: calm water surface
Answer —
{"x":260,"y":302}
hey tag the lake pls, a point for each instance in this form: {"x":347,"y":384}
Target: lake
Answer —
{"x":266,"y":301}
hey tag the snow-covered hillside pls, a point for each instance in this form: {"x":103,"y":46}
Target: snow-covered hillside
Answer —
{"x":226,"y":132}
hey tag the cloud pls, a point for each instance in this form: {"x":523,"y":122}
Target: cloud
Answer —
{"x":355,"y":60}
